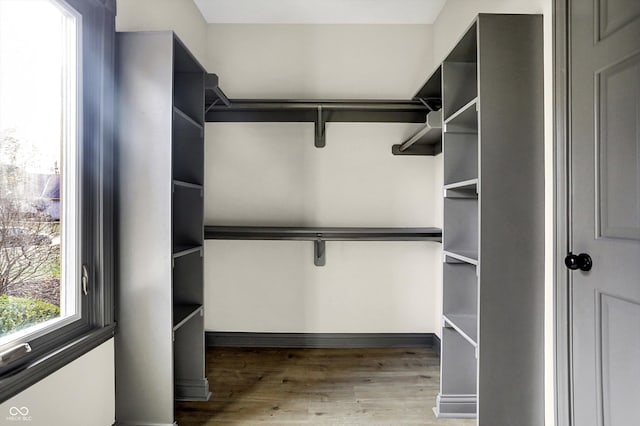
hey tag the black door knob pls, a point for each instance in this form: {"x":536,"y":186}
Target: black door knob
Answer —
{"x":581,"y":261}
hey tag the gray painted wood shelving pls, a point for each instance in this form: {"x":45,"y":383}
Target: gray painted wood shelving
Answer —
{"x":493,"y":246}
{"x":321,"y":234}
{"x":160,"y":340}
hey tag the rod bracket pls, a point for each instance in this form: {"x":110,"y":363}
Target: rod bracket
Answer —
{"x":320,"y":137}
{"x":319,"y":254}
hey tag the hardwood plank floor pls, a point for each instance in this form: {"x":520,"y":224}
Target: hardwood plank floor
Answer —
{"x":318,"y":387}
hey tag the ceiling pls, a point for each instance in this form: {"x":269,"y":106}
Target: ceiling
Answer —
{"x":320,"y":11}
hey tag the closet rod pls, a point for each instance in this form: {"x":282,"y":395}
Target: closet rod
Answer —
{"x":295,"y":110}
{"x":321,"y":234}
{"x":328,"y":103}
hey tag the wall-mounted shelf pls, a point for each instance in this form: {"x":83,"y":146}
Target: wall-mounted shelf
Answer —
{"x":320,"y":235}
{"x":319,"y":112}
{"x":324,"y":234}
{"x":423,"y":108}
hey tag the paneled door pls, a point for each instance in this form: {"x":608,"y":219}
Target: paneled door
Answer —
{"x":604,"y":211}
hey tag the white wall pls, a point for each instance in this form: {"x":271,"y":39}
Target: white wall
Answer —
{"x":320,"y":61}
{"x":181,"y":16}
{"x":79,"y":394}
{"x":271,"y":174}
{"x":454,"y":18}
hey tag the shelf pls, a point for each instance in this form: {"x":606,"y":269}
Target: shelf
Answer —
{"x":466,"y":256}
{"x":187,"y":185}
{"x":464,"y":189}
{"x":183,"y":313}
{"x":466,"y":325}
{"x":470,"y":184}
{"x":185,"y":250}
{"x":298,"y":110}
{"x":182,"y":120}
{"x":465,"y":120}
{"x":318,"y":112}
{"x":321,"y":234}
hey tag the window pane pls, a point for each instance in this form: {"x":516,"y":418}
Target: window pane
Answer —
{"x":38,"y":166}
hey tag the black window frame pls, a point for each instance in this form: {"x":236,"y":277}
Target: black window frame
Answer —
{"x":96,"y":325}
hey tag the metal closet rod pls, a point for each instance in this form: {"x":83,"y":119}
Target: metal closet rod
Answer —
{"x":321,"y":233}
{"x":350,"y":104}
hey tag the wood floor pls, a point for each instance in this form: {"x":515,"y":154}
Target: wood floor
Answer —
{"x":318,"y":387}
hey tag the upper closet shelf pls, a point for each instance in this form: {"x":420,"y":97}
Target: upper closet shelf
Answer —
{"x":219,"y":108}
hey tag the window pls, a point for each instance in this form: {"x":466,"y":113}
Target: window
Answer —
{"x":56,"y":220}
{"x":38,"y":168}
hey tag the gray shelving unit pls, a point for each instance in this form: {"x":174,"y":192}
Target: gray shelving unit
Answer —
{"x":160,"y":340}
{"x":493,"y":246}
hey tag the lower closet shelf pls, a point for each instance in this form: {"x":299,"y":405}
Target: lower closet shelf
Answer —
{"x":466,"y":325}
{"x":318,"y":235}
{"x":183,"y":313}
{"x":321,"y":233}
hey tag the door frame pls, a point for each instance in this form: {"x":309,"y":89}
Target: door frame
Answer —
{"x":562,"y":192}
